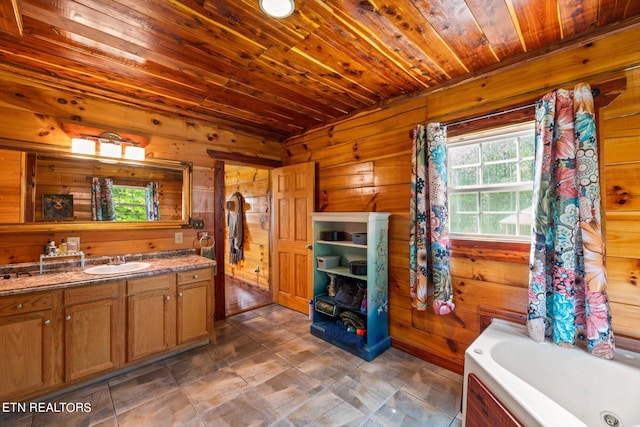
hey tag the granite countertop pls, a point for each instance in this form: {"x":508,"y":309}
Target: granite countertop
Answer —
{"x":26,"y":277}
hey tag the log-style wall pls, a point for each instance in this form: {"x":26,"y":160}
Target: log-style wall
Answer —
{"x":364,"y":165}
{"x":253,"y":184}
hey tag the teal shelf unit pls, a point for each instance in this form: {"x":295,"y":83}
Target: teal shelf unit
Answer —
{"x":376,"y":253}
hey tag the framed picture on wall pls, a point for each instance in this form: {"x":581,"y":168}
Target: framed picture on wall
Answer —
{"x":57,"y":206}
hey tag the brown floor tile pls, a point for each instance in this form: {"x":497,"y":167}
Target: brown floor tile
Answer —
{"x":440,"y":392}
{"x":170,"y":409}
{"x":289,"y":389}
{"x":135,"y":390}
{"x":326,"y":409}
{"x":405,"y":410}
{"x":247,"y":409}
{"x":215,"y":389}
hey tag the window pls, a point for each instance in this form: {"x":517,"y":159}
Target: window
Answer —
{"x":490,"y":183}
{"x":130,"y":203}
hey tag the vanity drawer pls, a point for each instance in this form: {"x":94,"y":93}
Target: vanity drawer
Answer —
{"x":152,"y":283}
{"x":18,"y":304}
{"x":195,"y":276}
{"x":83,"y":294}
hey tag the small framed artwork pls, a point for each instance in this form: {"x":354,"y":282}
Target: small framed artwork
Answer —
{"x":57,"y":206}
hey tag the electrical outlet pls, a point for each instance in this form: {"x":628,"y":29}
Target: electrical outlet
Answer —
{"x":178,"y":237}
{"x":198,"y":224}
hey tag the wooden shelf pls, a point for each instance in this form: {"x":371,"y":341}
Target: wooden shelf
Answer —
{"x":326,"y":326}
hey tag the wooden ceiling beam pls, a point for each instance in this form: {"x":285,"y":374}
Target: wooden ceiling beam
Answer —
{"x":242,"y":159}
{"x":10,"y":17}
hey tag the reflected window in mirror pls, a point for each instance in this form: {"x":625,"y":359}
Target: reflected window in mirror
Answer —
{"x":136,"y":203}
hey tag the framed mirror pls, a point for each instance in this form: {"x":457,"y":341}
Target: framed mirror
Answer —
{"x":50,"y":190}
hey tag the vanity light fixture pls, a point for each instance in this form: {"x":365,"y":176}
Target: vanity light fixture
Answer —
{"x":83,"y":146}
{"x":132,"y":152}
{"x":277,"y":8}
{"x":108,"y":149}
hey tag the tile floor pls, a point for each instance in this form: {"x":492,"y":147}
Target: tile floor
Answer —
{"x":266,"y":369}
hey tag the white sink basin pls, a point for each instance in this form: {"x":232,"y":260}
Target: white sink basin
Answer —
{"x":117,"y":268}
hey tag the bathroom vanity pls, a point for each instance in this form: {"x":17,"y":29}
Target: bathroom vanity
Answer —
{"x":64,"y":328}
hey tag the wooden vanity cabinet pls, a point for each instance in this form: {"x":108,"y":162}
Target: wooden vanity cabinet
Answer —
{"x":26,"y":344}
{"x":195,"y":305}
{"x":92,"y":330}
{"x":151,"y":315}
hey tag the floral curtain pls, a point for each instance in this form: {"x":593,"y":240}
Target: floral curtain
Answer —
{"x":153,"y":202}
{"x":102,"y":207}
{"x":567,"y":281}
{"x":429,"y":247}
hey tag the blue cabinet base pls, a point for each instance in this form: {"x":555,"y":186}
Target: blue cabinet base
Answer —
{"x":353,"y":346}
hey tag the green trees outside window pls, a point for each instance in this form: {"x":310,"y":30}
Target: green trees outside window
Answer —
{"x":130,"y":203}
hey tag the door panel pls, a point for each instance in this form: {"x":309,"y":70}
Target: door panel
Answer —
{"x":293,"y":190}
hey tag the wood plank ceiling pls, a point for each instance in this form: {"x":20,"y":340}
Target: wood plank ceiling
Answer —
{"x":225,"y":62}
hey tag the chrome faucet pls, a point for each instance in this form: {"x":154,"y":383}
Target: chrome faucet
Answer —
{"x":120,"y":259}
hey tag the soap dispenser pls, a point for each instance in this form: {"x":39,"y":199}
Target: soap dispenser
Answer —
{"x":63,"y":247}
{"x":47,"y":246}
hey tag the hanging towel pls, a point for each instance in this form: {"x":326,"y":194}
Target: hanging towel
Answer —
{"x":235,"y":219}
{"x":207,"y":251}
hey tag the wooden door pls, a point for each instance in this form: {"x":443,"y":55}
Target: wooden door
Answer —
{"x":293,"y":192}
{"x":26,"y":350}
{"x":91,"y":337}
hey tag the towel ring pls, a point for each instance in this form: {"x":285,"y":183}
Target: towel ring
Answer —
{"x":207,"y":237}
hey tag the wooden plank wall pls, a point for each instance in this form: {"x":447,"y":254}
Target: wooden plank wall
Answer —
{"x":620,"y":160}
{"x":364,"y":165}
{"x":253,"y":184}
{"x":10,"y":186}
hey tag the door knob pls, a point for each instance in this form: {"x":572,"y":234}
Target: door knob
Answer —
{"x":309,"y":246}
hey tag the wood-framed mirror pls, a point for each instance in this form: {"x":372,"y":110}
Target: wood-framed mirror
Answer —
{"x":49,"y":189}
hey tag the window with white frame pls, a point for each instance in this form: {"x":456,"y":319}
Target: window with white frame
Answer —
{"x":490,"y":183}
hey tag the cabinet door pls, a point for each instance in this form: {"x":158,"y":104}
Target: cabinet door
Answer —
{"x":192,"y":311}
{"x":151,"y":323}
{"x":26,"y":353}
{"x":91,"y":337}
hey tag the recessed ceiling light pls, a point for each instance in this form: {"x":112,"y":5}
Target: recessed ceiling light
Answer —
{"x":277,"y":8}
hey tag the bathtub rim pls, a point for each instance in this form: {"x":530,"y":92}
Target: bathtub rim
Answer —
{"x":538,"y":409}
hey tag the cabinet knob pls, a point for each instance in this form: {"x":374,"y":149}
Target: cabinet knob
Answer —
{"x":46,"y":322}
{"x":19,"y":306}
{"x":180,"y":294}
{"x":68,"y":317}
{"x":195,"y":276}
{"x":167,"y":297}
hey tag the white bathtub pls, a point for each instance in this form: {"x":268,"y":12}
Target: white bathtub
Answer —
{"x":543,"y":384}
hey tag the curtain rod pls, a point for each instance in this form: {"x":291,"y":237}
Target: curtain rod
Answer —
{"x":595,"y":92}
